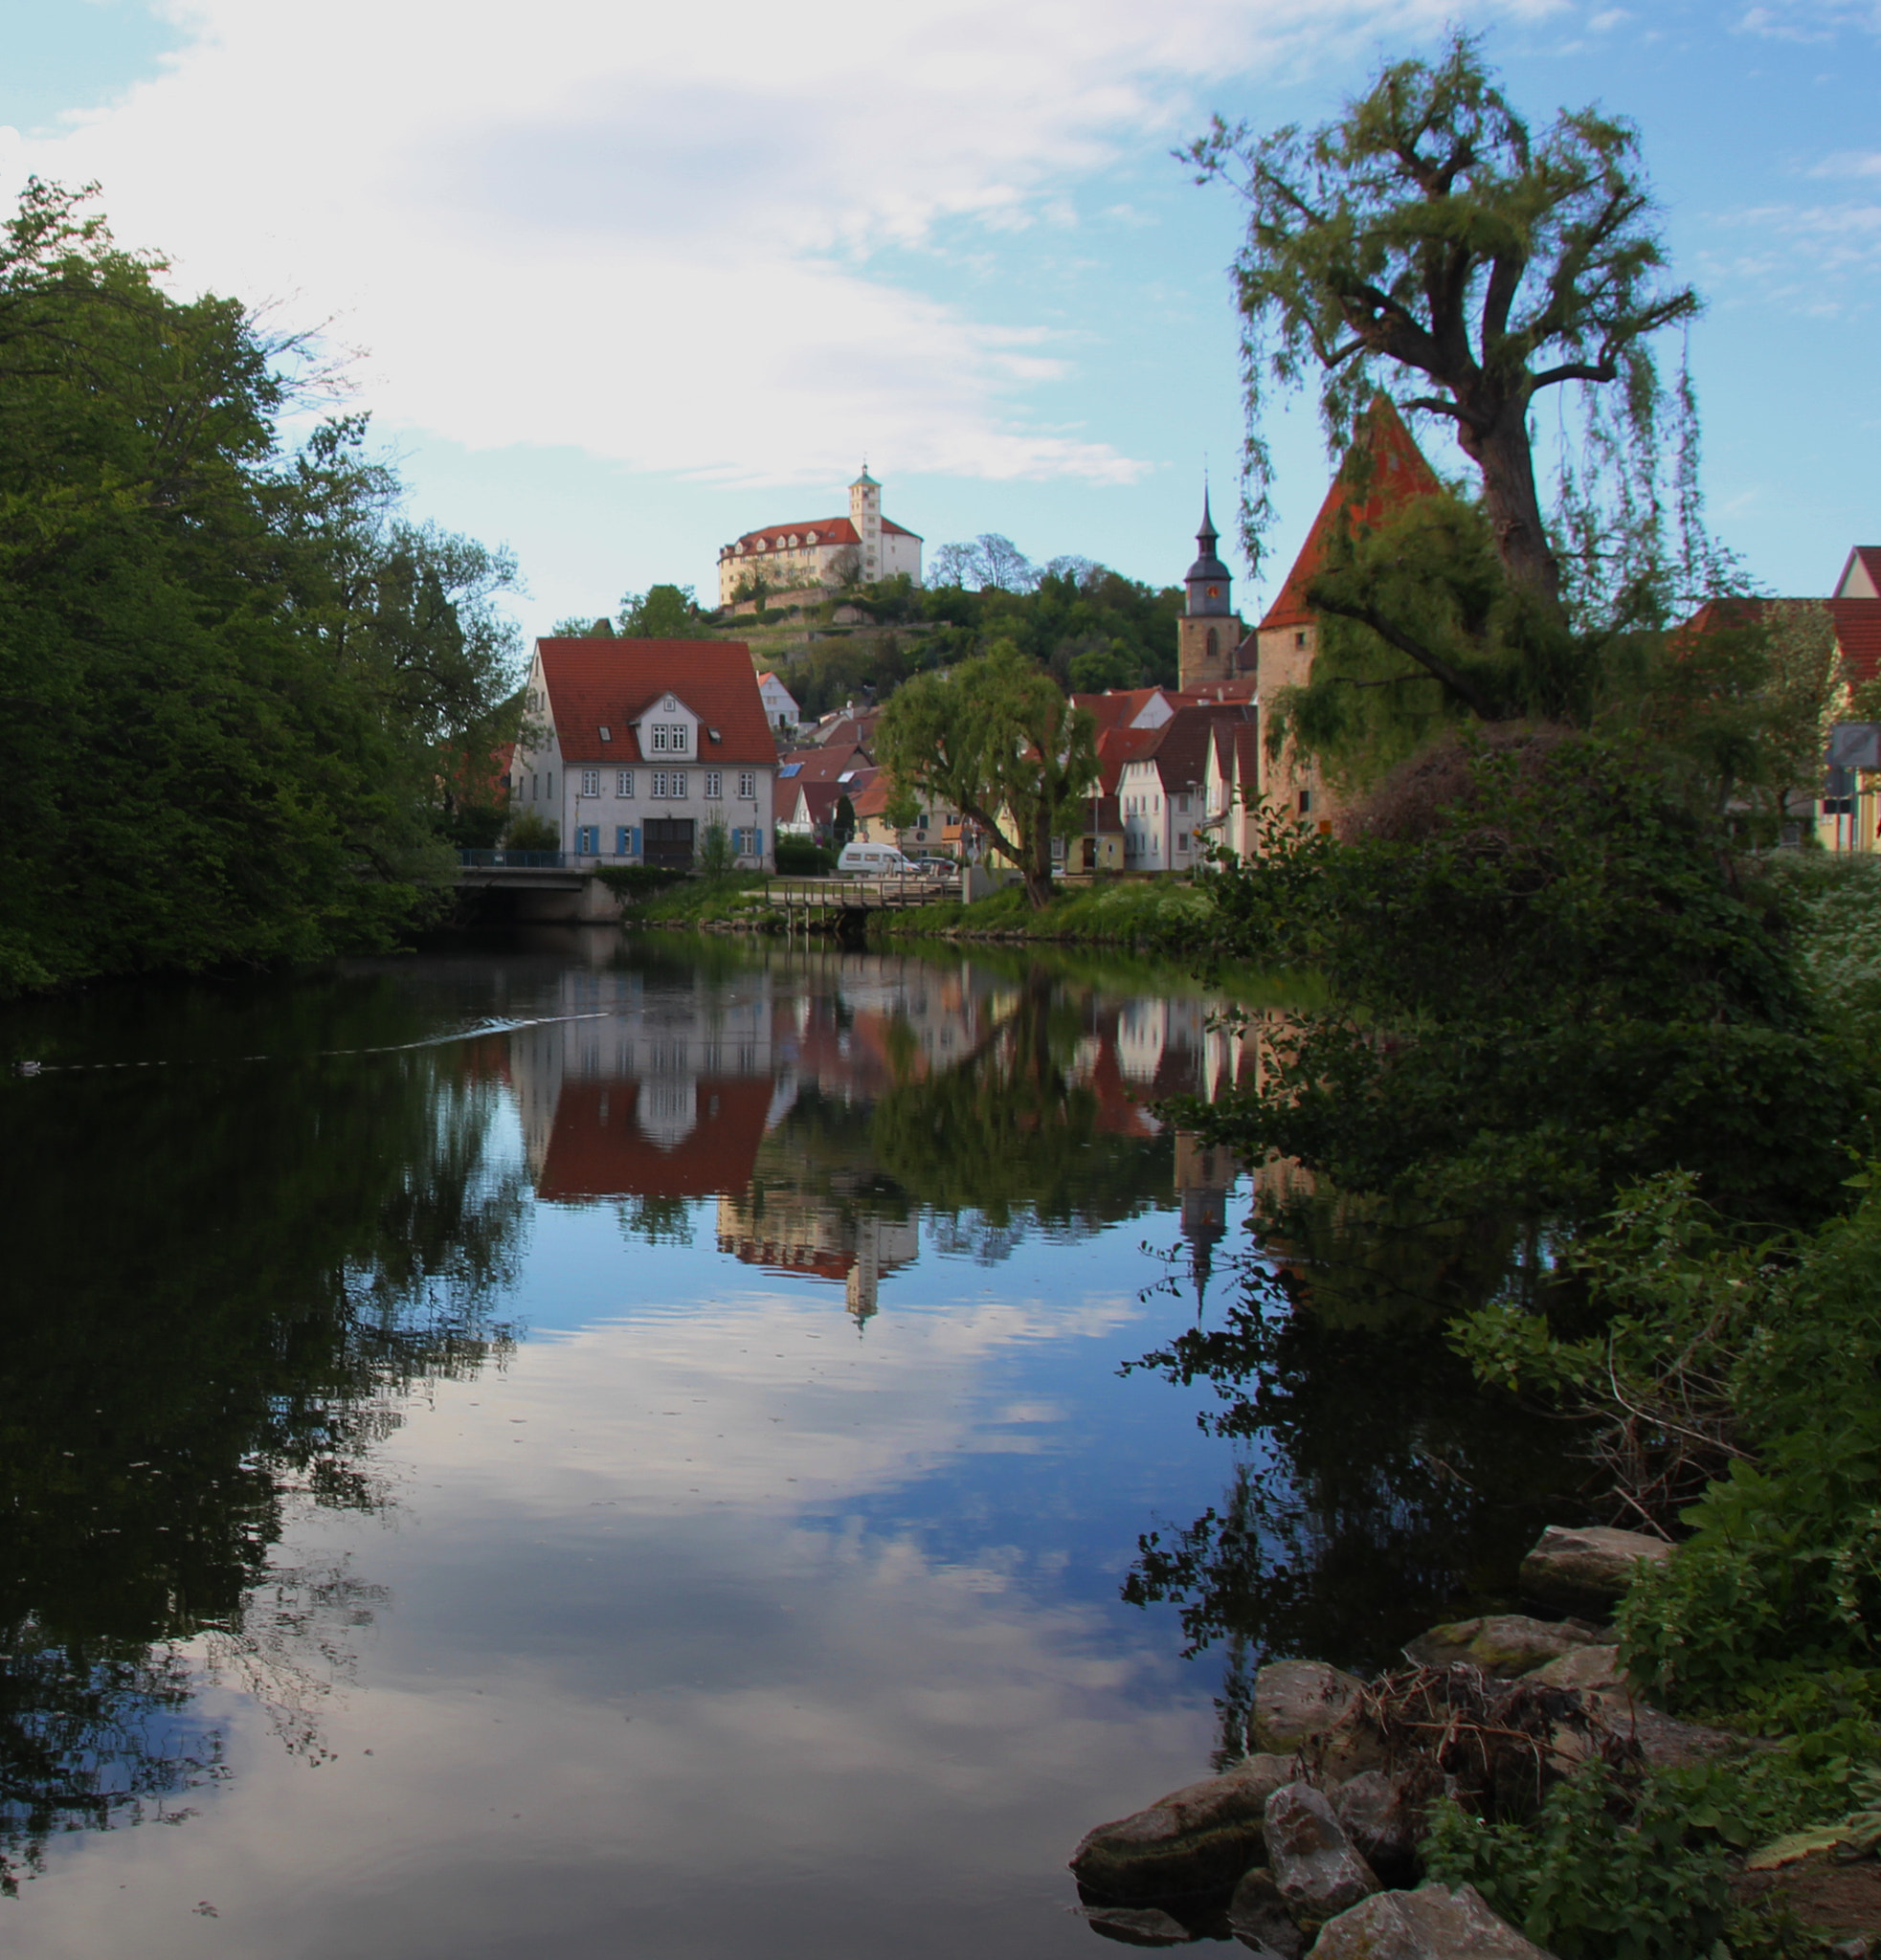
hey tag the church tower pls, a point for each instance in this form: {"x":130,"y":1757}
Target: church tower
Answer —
{"x":865,"y":514}
{"x":1209,"y":631}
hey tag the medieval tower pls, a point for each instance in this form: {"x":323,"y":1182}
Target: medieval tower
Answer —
{"x":1209,"y":632}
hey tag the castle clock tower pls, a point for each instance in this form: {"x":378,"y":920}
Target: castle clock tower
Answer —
{"x":1209,"y":631}
{"x":865,"y":514}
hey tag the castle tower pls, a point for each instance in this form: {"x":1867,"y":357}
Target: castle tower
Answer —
{"x":1209,"y":631}
{"x":865,"y":514}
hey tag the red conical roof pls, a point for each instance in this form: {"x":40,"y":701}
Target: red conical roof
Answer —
{"x":1397,"y":474}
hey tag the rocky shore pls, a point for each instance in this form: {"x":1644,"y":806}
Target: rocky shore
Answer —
{"x":1308,"y":1845}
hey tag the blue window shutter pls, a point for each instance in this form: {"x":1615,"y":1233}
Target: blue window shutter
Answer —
{"x":757,"y":846}
{"x":634,"y":841}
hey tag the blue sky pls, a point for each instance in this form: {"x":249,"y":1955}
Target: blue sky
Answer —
{"x":619,"y":284}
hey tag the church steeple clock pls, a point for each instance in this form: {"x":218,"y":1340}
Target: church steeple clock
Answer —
{"x":1209,"y":631}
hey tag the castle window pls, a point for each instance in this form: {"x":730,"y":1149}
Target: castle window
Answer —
{"x":1305,"y":802}
{"x":1300,"y":638}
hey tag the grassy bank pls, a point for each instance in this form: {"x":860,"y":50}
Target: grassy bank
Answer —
{"x":1152,"y":915}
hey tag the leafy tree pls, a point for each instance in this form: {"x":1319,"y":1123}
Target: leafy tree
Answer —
{"x":842,"y":822}
{"x":997,"y":739}
{"x":716,"y":857}
{"x":988,"y":563}
{"x":1426,"y":240}
{"x":235,"y":678}
{"x":1544,"y":981}
{"x":664,"y":613}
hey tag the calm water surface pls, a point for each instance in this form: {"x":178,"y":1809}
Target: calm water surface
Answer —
{"x":606,"y":1448}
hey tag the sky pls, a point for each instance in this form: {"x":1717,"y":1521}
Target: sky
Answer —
{"x":620,"y":283}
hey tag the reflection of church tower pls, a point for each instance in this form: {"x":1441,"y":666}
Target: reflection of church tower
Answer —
{"x":865,"y":514}
{"x":865,"y":1275}
{"x":1204,"y":1176}
{"x":1209,"y":631}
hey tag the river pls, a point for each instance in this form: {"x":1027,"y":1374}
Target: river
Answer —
{"x":610,"y":1445}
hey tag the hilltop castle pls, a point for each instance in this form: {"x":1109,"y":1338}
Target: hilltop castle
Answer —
{"x":823,"y":551}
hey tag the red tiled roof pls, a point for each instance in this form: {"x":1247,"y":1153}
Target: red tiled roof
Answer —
{"x":1116,"y":707}
{"x":1858,"y":633}
{"x":1182,"y":754}
{"x":817,"y":800}
{"x":1211,"y":691}
{"x":610,"y":683}
{"x":826,"y":762}
{"x":1399,"y":475}
{"x":829,"y":531}
{"x":598,"y":1150}
{"x":1118,"y":746}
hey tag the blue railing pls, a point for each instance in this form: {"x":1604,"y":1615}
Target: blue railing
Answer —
{"x":515,"y":860}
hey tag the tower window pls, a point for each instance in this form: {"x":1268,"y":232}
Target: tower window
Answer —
{"x":1214,"y":641}
{"x":1300,"y":637}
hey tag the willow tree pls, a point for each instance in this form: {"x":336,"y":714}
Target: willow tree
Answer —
{"x":1425,"y":241}
{"x":996,"y":739}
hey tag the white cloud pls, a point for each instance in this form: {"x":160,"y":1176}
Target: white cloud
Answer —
{"x":652,"y":233}
{"x":1849,"y":163}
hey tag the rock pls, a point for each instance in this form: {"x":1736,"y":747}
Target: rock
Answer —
{"x":1569,"y":1569}
{"x":1582,"y":1667}
{"x":1136,"y":1925}
{"x":1198,"y":1839}
{"x":1384,"y":1821}
{"x":1665,"y":1742}
{"x":1502,"y":1645}
{"x":1433,"y":1923}
{"x":1319,"y":1873}
{"x":1258,"y":1917}
{"x":1294,"y":1699}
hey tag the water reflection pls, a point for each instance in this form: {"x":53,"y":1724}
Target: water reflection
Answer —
{"x":268,"y":1305}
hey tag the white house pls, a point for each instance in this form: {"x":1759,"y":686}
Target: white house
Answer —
{"x":634,"y":749}
{"x":822,"y":550}
{"x":1163,"y":790}
{"x":780,"y":708}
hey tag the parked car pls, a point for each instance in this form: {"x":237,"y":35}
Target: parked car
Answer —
{"x":937,"y":867}
{"x":874,"y":861}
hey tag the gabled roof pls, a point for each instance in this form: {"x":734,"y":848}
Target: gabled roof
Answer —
{"x":1861,"y":576}
{"x":1118,"y":708}
{"x":1397,"y":474}
{"x":815,"y":530}
{"x":608,"y":683}
{"x":826,"y":762}
{"x":1182,"y":754}
{"x":598,"y":1150}
{"x":816,"y":801}
{"x":1117,"y":748}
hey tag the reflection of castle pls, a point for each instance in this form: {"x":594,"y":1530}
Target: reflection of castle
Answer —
{"x":786,"y":1232}
{"x":1206,"y":1177}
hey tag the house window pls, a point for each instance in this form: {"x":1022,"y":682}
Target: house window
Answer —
{"x":669,"y":738}
{"x":747,"y":782}
{"x":1181,"y":840}
{"x":714,"y":786}
{"x":551,"y":783}
{"x":623,"y":782}
{"x":591,"y":782}
{"x":1182,"y":804}
{"x":658,"y":782}
{"x":676,"y":784}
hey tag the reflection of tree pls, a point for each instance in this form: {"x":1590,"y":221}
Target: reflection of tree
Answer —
{"x":223,"y":1281}
{"x":1380,"y":1491}
{"x":658,"y":1221}
{"x":1007,"y":1130}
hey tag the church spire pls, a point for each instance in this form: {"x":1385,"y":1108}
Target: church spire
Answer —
{"x":1208,"y":578}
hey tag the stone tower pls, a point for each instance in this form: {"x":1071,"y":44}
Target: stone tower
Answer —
{"x":865,"y":514}
{"x":1209,"y":631}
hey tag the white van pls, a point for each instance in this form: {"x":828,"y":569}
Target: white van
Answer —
{"x":874,"y":861}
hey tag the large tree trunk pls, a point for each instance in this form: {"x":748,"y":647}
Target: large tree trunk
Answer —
{"x":1509,"y":495}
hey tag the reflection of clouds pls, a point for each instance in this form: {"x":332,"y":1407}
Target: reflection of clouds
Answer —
{"x":763,"y":1402}
{"x":623,"y":1701}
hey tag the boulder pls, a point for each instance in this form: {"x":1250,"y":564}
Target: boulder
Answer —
{"x":1383,"y":1818}
{"x":1136,"y":1925}
{"x":1315,"y":1866}
{"x":1665,"y":1742}
{"x":1258,"y":1917}
{"x":1299,"y":1702}
{"x":1433,"y":1923}
{"x":1198,"y":1839}
{"x":1591,"y":1566}
{"x":1502,"y":1645}
{"x":1582,"y":1667}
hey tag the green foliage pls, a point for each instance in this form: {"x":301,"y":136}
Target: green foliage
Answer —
{"x":664,"y":613}
{"x":634,"y":882}
{"x":237,"y":684}
{"x":1554,"y":986}
{"x":799,"y":857}
{"x":716,"y":856}
{"x":1426,"y":238}
{"x":530,"y":831}
{"x":1602,"y":1873}
{"x":1836,"y":903}
{"x":996,"y":739}
{"x":843,"y":821}
{"x":1160,"y":913}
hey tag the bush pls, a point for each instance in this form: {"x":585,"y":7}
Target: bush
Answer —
{"x":717,"y":859}
{"x":528,"y":832}
{"x":634,"y":882}
{"x":799,"y":857}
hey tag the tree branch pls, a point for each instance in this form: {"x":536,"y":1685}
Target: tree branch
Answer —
{"x":1460,"y":684}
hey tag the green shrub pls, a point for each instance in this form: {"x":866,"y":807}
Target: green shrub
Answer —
{"x":716,"y":857}
{"x":634,"y":882}
{"x":1600,"y":1873}
{"x":528,"y":832}
{"x":799,"y":857}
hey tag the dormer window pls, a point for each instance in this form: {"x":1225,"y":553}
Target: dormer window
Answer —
{"x":669,"y":738}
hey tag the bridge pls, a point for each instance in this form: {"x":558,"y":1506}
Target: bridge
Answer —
{"x":552,"y":887}
{"x":855,"y":896}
